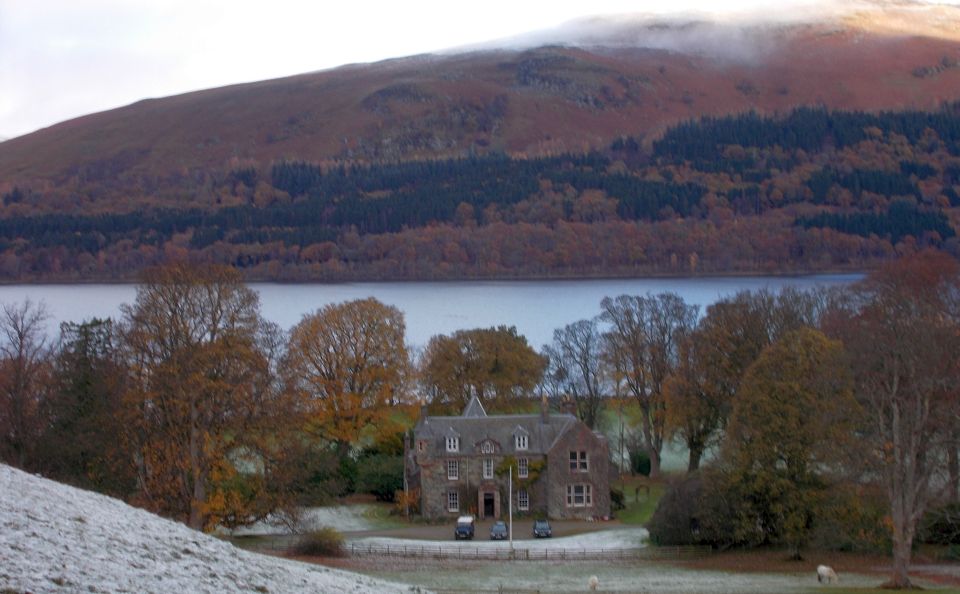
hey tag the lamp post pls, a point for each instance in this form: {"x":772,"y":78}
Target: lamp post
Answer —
{"x":510,"y":506}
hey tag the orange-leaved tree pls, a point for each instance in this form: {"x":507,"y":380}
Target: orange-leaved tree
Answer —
{"x":200,"y":399}
{"x":24,"y":368}
{"x":901,"y":326}
{"x":496,"y":364}
{"x":346,"y":365}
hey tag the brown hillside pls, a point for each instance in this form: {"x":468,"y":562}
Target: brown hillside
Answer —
{"x":524,"y":101}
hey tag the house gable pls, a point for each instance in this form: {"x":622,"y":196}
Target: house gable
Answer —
{"x":579,"y":475}
{"x":485,"y":441}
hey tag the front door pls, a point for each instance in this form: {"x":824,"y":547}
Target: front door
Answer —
{"x":489,"y":507}
{"x":489,"y":504}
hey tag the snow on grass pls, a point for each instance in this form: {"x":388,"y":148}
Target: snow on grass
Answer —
{"x":572,"y":576}
{"x":55,"y":538}
{"x":617,"y":538}
{"x":344,"y":518}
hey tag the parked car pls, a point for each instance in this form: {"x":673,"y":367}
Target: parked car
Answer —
{"x":499,"y":530}
{"x":464,"y":529}
{"x":541,"y":529}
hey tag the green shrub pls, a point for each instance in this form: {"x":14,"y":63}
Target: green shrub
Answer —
{"x":675,"y":521}
{"x":323,"y":542}
{"x":616,"y":499}
{"x":640,"y":461}
{"x":951,"y":554}
{"x":380,"y":475}
{"x":941,"y":525}
{"x":851,"y":519}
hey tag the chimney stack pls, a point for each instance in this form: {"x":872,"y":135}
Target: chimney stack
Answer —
{"x":544,"y":409}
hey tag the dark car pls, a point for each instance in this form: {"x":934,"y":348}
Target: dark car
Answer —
{"x":498,"y":531}
{"x":464,"y":529}
{"x":541,"y":529}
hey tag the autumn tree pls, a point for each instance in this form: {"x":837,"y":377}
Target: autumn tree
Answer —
{"x":901,"y":327}
{"x":794,"y":413}
{"x":84,"y":440}
{"x":575,"y":368}
{"x":642,"y":350}
{"x":693,"y":412}
{"x":496,"y":364}
{"x":199,"y":396}
{"x":24,"y":359}
{"x":347,"y":364}
{"x":714,"y":358}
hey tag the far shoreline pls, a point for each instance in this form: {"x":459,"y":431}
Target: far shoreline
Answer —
{"x":861,"y":272}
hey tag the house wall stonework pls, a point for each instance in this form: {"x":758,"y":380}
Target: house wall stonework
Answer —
{"x":579,"y":439}
{"x":434,"y":486}
{"x":548,"y":442}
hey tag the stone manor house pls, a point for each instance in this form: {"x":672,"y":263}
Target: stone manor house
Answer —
{"x":460,"y":465}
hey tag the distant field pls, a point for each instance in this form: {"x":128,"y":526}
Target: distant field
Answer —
{"x":613,"y":577}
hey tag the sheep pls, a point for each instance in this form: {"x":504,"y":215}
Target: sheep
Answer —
{"x":825,"y":573}
{"x":594,"y":583}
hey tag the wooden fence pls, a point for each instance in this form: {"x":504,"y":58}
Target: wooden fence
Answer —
{"x":525,"y":554}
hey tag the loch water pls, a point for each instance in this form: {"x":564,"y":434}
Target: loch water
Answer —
{"x":535,"y":307}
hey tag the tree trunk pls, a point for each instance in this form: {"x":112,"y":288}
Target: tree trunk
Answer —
{"x":196,"y":503}
{"x":953,"y":469}
{"x":696,"y":454}
{"x":198,"y":493}
{"x":654,"y":462}
{"x":903,"y":529}
{"x":649,"y":441}
{"x":901,"y":561}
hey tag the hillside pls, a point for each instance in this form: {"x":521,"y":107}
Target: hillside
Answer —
{"x":56,"y":538}
{"x":632,"y":77}
{"x":529,"y":159}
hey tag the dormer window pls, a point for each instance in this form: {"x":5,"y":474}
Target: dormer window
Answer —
{"x":453,"y":444}
{"x":521,"y":441}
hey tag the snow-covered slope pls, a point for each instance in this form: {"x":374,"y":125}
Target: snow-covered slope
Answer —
{"x":55,"y":538}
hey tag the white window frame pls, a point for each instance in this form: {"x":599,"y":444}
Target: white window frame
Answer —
{"x":453,"y":444}
{"x":579,"y":461}
{"x":585,"y":495}
{"x":421,"y":445}
{"x":453,"y":501}
{"x":486,"y":448}
{"x":523,"y":468}
{"x":488,"y":468}
{"x":453,"y":470}
{"x":523,"y":500}
{"x":522,"y":442}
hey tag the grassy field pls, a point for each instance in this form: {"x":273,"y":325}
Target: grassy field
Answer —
{"x":721,"y":577}
{"x":641,"y":496}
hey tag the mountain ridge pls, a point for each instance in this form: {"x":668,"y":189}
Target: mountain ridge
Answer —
{"x":802,"y":148}
{"x":538,"y":101}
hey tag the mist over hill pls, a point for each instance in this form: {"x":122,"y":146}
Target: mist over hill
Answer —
{"x":198,"y":173}
{"x":569,"y":89}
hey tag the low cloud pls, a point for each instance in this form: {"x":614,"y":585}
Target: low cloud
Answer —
{"x":740,"y":35}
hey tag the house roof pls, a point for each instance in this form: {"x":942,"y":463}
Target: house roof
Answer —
{"x":474,"y":408}
{"x":474,"y":428}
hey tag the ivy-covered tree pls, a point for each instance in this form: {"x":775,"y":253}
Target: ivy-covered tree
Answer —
{"x":794,"y":414}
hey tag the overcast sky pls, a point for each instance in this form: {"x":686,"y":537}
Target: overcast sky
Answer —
{"x":64,"y":58}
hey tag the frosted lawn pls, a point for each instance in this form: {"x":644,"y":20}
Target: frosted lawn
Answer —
{"x":55,"y":538}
